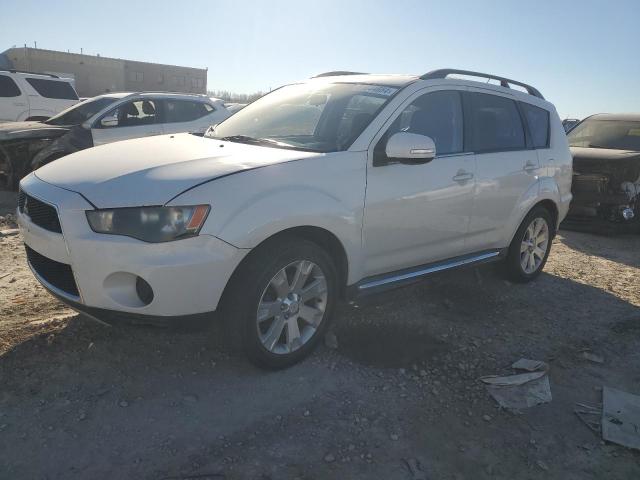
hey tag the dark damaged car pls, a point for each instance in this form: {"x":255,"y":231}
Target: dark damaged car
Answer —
{"x":606,"y":174}
{"x":26,"y":146}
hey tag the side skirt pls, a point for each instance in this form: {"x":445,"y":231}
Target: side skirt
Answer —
{"x":400,"y":278}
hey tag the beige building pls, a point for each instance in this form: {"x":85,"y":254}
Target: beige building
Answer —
{"x":94,"y":75}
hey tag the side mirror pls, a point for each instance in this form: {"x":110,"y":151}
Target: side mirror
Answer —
{"x":109,"y":121}
{"x":411,"y":148}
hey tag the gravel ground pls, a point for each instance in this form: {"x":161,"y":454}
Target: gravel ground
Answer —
{"x":399,"y":398}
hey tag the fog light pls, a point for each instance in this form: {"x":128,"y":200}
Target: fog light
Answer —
{"x":628,"y":213}
{"x":144,"y":291}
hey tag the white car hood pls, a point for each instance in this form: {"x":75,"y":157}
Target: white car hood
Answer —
{"x":152,"y":171}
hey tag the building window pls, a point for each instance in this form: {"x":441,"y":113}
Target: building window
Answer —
{"x":136,"y":76}
{"x":179,"y":81}
{"x":160,"y":78}
{"x":197,"y":83}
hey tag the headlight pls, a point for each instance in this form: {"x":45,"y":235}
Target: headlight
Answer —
{"x":150,"y":224}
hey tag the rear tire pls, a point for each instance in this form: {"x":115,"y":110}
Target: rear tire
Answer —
{"x":279,"y":302}
{"x":529,"y":249}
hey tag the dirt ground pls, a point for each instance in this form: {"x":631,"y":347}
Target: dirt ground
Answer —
{"x":398,"y":399}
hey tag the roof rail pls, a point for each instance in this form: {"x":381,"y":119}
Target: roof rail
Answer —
{"x":30,"y":73}
{"x":168,"y":92}
{"x":504,"y":82}
{"x":337,"y":73}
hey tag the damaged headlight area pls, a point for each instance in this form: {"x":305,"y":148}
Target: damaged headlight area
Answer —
{"x":150,"y":224}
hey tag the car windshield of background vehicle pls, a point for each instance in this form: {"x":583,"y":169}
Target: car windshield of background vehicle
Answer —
{"x":315,"y":117}
{"x":80,"y":112}
{"x":611,"y":134}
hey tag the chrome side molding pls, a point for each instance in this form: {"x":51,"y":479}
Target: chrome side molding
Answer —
{"x":437,"y":267}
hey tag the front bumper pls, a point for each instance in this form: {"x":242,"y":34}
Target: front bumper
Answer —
{"x":187,"y":276}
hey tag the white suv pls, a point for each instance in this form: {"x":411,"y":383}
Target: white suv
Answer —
{"x":33,"y":96}
{"x":336,"y":187}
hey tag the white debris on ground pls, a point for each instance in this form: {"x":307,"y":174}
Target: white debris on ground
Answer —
{"x":621,"y":417}
{"x":523,"y":390}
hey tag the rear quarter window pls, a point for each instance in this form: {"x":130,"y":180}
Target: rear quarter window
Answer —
{"x":176,"y":111}
{"x":538,"y":122}
{"x":8,"y":88}
{"x":53,"y":88}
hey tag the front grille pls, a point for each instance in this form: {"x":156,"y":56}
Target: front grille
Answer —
{"x":21,"y":198}
{"x":57,"y":274}
{"x":590,"y":183}
{"x":40,"y":213}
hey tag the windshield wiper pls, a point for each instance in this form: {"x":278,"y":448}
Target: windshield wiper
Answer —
{"x":253,"y":140}
{"x":264,"y":141}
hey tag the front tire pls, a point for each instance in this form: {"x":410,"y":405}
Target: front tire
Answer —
{"x":279,"y":302}
{"x":530,"y":247}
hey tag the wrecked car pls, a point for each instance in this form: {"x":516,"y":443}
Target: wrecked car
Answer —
{"x":26,"y":146}
{"x":606,"y":173}
{"x":569,"y":123}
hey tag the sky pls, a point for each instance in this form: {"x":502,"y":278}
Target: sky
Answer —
{"x":581,"y":54}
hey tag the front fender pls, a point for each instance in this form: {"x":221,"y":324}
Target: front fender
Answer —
{"x":249,"y":207}
{"x":77,"y":138}
{"x":43,"y":157}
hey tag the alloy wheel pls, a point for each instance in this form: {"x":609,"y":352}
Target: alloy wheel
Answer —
{"x":291,"y":307}
{"x":534,"y":245}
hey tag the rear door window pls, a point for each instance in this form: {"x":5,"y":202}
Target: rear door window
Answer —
{"x":8,"y":87}
{"x":53,"y":88}
{"x":176,"y":111}
{"x":538,"y":122}
{"x":495,"y":123}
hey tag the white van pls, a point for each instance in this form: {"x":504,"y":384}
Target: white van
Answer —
{"x":33,"y":96}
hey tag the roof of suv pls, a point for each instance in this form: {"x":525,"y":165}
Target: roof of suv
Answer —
{"x":400,"y":81}
{"x":375,"y":79}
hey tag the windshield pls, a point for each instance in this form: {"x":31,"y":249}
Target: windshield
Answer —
{"x":612,"y":134}
{"x":319,"y":117}
{"x":80,"y":112}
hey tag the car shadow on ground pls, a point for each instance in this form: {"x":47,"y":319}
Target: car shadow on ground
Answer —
{"x":621,"y":248}
{"x":92,"y":401}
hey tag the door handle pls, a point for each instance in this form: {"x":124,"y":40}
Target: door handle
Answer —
{"x":530,"y":167}
{"x":18,"y":104}
{"x":154,"y":133}
{"x":462,"y":176}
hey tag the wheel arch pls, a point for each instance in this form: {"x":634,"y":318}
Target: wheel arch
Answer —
{"x":548,"y":203}
{"x":322,"y":237}
{"x":551,"y":206}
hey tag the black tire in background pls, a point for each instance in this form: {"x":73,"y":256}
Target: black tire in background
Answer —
{"x":514,"y":268}
{"x":247,"y":287}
